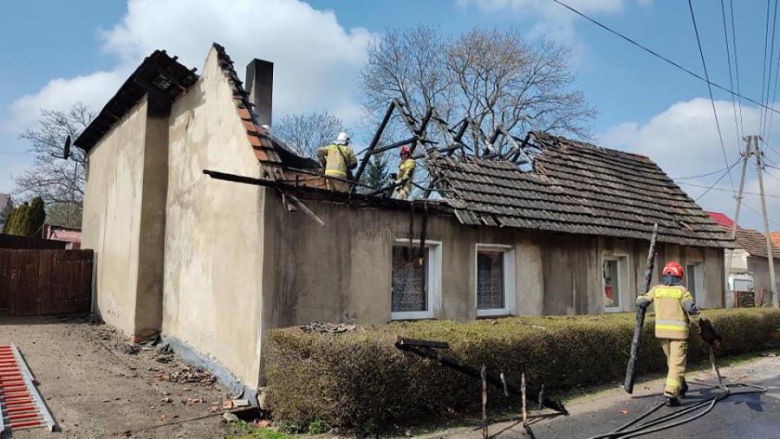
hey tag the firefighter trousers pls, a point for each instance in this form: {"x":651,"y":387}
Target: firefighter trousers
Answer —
{"x":676,"y":356}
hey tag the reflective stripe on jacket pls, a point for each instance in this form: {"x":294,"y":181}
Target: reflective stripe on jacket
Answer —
{"x":406,"y":173}
{"x":333,"y":157}
{"x":671,"y":320}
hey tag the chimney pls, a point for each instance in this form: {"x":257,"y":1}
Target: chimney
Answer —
{"x":260,"y":86}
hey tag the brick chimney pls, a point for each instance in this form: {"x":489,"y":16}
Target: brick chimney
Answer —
{"x":259,"y":85}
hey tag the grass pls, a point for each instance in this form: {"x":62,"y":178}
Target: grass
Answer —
{"x":245,"y":431}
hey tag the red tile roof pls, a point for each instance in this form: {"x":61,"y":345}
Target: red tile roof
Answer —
{"x":721,"y":219}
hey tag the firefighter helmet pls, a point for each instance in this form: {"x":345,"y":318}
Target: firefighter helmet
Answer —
{"x":673,"y":268}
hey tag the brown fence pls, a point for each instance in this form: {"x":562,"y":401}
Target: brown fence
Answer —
{"x":23,"y":242}
{"x":38,"y":282}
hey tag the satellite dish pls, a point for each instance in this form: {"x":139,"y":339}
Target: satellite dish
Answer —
{"x":66,"y":148}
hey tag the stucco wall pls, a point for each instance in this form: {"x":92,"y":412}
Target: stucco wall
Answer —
{"x":759,"y":268}
{"x":213,"y":241}
{"x":112,"y":217}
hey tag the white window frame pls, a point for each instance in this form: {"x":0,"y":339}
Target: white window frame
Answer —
{"x":433,"y":298}
{"x":509,"y":280}
{"x":620,"y":258}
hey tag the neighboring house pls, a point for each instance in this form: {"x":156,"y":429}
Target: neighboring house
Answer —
{"x":775,"y":237}
{"x":749,"y":262}
{"x":70,"y":235}
{"x":215,"y":264}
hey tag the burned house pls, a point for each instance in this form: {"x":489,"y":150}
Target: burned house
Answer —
{"x":207,"y":229}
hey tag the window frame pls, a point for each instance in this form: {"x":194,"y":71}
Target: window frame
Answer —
{"x":510,"y":287}
{"x":433,"y":298}
{"x":620,"y":258}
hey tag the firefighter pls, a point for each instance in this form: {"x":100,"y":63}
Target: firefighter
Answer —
{"x":338,"y":159}
{"x":673,"y":306}
{"x":403,"y":178}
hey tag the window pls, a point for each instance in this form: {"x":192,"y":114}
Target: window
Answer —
{"x":695,"y":274}
{"x":416,"y":280}
{"x":615,"y":277}
{"x":495,"y":285}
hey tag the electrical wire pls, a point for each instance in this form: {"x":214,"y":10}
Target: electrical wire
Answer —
{"x":763,"y":68}
{"x":731,"y":76}
{"x":663,"y":58}
{"x":736,"y":67}
{"x":754,"y":210}
{"x":771,"y":62}
{"x":692,"y":177}
{"x":728,"y":172}
{"x":712,"y":99}
{"x":725,"y":190}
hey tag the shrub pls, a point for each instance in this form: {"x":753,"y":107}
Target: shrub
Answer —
{"x":359,"y":378}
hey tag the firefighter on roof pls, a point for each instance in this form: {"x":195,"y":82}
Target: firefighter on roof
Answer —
{"x":337,"y":159}
{"x":403,"y":178}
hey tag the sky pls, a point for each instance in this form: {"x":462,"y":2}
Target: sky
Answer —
{"x":58,"y":53}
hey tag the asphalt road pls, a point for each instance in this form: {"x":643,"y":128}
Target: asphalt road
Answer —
{"x":752,"y":416}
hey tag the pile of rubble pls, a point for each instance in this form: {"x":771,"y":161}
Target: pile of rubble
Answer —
{"x":188,"y":375}
{"x":332,"y":328}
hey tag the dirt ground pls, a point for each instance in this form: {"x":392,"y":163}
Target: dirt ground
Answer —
{"x":97,"y":388}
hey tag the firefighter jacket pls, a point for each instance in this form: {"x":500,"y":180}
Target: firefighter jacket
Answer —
{"x":406,"y":174}
{"x":672,"y":303}
{"x":337,"y":159}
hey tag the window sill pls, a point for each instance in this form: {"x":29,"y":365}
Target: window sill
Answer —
{"x":415,"y":315}
{"x":612,"y":309}
{"x":494,"y":312}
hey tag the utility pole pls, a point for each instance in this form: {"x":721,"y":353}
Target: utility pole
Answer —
{"x":745,"y":158}
{"x":771,"y":260}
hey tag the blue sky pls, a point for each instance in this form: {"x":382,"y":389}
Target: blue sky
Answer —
{"x":81,"y":50}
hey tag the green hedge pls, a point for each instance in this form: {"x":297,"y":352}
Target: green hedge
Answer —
{"x":359,"y":377}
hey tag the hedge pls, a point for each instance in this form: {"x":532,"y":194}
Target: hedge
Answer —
{"x":358,"y":378}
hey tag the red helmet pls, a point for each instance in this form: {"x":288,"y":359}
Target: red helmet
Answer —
{"x":673,"y":268}
{"x":406,"y":150}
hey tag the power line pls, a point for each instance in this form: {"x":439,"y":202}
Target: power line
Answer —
{"x":665,"y":59}
{"x":736,"y":67}
{"x":728,"y":172}
{"x":705,"y":175}
{"x":725,"y":190}
{"x":763,"y":68}
{"x":731,"y":76}
{"x":759,"y":213}
{"x":771,"y":60}
{"x":709,"y":89}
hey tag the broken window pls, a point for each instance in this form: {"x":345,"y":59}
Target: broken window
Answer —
{"x":490,"y":280}
{"x":695,"y":274}
{"x":410,"y":279}
{"x":612,"y":284}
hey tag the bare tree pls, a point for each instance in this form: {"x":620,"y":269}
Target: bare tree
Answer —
{"x":409,"y":65}
{"x":58,"y":181}
{"x":494,"y":77}
{"x":305,"y":132}
{"x":505,"y":81}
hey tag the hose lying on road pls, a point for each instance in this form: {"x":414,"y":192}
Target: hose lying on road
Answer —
{"x":664,"y":423}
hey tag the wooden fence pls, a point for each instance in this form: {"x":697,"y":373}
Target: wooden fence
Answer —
{"x":39,"y":282}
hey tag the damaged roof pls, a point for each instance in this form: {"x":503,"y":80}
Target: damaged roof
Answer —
{"x":159,"y":75}
{"x":576,"y":187}
{"x":754,"y":242}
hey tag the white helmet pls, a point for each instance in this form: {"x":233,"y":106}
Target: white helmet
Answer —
{"x":342,"y":139}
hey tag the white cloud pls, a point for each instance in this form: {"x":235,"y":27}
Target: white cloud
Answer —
{"x":683,"y":141}
{"x":317,"y":61}
{"x":555,"y":22}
